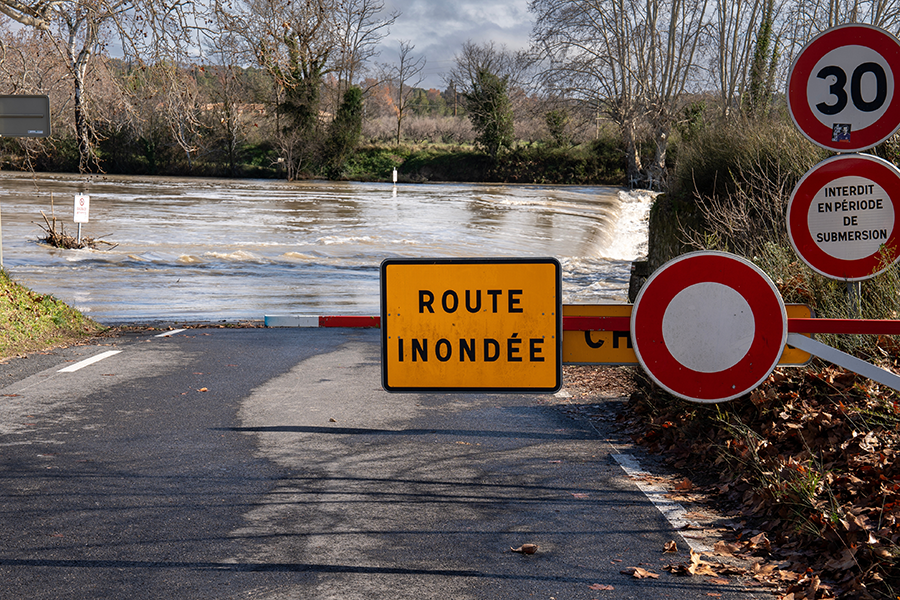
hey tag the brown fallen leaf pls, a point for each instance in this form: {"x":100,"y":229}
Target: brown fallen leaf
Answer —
{"x":699,"y":567}
{"x":525,"y":549}
{"x":597,"y":587}
{"x":685,"y":485}
{"x":762,"y":569}
{"x":639,"y":573}
{"x":670,"y":546}
{"x":678,"y":569}
{"x":760,"y":541}
{"x":724,"y":548}
{"x":203,"y":390}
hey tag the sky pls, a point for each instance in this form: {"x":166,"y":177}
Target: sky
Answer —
{"x":439,"y":28}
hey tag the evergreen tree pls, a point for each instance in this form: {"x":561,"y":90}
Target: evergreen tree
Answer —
{"x":762,"y":70}
{"x":345,"y":131}
{"x":490,"y":111}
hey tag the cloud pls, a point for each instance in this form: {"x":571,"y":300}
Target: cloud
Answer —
{"x":439,"y":28}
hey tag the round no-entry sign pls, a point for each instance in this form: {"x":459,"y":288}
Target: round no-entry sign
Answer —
{"x":709,"y":326}
{"x":841,"y":88}
{"x":841,"y":216}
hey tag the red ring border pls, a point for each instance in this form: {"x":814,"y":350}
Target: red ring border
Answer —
{"x":770,"y":319}
{"x":797,"y":213}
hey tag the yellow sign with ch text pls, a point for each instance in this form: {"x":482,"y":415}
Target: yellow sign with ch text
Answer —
{"x":486,"y":325}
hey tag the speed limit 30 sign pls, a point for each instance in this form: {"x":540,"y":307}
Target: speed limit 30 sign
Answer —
{"x":841,"y":88}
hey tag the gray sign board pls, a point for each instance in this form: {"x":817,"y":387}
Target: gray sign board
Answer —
{"x":24,"y":116}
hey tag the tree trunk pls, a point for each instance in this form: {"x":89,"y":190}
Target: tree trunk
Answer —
{"x":632,"y":155}
{"x":82,"y":128}
{"x":400,"y":108}
{"x":658,"y":168}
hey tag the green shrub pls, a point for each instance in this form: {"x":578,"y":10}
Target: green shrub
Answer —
{"x":716,"y":159}
{"x":739,"y":179}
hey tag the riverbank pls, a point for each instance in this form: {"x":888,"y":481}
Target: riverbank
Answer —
{"x":598,"y":163}
{"x":33,"y":322}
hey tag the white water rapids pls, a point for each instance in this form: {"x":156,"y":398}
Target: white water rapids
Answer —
{"x":191,"y":249}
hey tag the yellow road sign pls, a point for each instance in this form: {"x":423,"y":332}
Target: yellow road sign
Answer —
{"x":471,"y":325}
{"x":614,"y":347}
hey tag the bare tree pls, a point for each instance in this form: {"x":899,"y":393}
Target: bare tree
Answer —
{"x":298,"y":44}
{"x":627,"y":58}
{"x":231,"y":98}
{"x":79,"y":29}
{"x":404,"y":76}
{"x":807,"y":18}
{"x":360,"y":26}
{"x":33,"y":14}
{"x":733,"y":26}
{"x":486,"y":57}
{"x":81,"y":26}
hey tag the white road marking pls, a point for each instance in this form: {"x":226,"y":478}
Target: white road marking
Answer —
{"x":170,"y":333}
{"x":671,"y":510}
{"x":88,"y":361}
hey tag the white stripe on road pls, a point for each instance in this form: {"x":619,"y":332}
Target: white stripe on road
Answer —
{"x":88,"y":361}
{"x":169,"y":333}
{"x":671,"y":510}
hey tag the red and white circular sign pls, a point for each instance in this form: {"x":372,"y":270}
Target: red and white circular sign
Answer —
{"x":709,"y":326}
{"x":841,"y":216}
{"x":841,"y":88}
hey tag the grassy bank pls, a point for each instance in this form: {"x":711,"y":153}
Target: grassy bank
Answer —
{"x":32,"y":322}
{"x":598,"y":163}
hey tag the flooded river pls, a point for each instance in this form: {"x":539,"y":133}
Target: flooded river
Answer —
{"x":190,"y":249}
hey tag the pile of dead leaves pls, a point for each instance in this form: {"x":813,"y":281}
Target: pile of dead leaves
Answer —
{"x":810,"y":460}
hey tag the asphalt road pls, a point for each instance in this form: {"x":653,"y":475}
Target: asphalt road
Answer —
{"x":269,"y":463}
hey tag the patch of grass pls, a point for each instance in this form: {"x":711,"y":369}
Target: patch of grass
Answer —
{"x":374,"y":163}
{"x":597,"y":163}
{"x":31,"y":321}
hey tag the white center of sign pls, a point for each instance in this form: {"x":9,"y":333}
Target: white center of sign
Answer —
{"x":851,"y":217}
{"x":708,"y":327}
